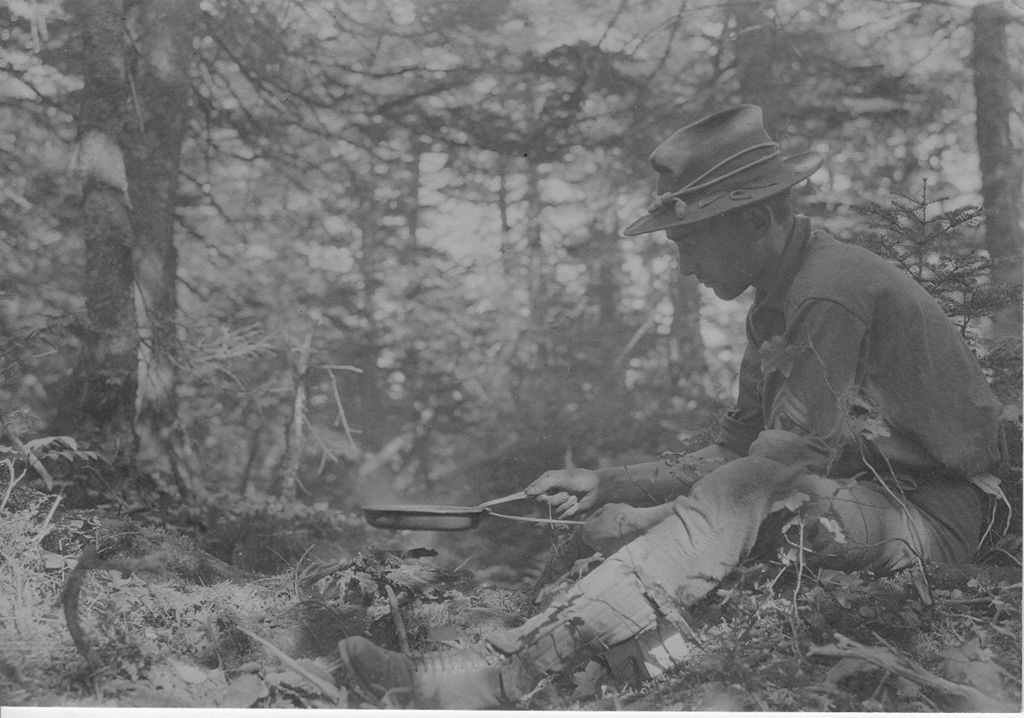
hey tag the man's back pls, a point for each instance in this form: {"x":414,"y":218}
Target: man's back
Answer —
{"x":913,"y":368}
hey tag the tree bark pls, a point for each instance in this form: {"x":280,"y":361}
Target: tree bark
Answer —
{"x":162,"y":32}
{"x":99,"y":407}
{"x":296,"y":422}
{"x":686,"y":346}
{"x":537,"y":263}
{"x":1001,"y":171}
{"x":755,"y":49}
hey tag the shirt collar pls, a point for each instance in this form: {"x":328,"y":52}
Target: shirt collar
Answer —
{"x":789,"y":264}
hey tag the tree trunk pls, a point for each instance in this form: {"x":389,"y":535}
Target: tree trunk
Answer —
{"x":537,"y":273}
{"x":100,"y":405}
{"x":296,"y":422}
{"x":1001,"y":172}
{"x":686,"y":361}
{"x":508,"y":258}
{"x":162,"y":32}
{"x":755,"y":49}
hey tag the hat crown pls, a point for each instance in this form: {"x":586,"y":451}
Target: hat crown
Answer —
{"x":713,"y":147}
{"x":717,"y":164}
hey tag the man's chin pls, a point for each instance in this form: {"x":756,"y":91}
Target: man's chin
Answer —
{"x":727,"y":293}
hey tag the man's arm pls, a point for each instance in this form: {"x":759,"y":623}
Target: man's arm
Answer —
{"x":571,"y":491}
{"x":662,"y":480}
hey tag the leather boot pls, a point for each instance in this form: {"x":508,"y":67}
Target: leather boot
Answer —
{"x":648,"y":655}
{"x":468,"y":678}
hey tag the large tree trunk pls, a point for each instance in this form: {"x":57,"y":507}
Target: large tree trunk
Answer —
{"x":755,"y":50}
{"x":162,"y":31}
{"x":99,"y":407}
{"x":1001,"y":172}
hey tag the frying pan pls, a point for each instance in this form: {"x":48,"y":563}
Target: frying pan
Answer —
{"x":424,"y":517}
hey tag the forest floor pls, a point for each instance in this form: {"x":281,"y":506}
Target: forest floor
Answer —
{"x":167,"y":623}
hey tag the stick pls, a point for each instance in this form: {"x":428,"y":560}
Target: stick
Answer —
{"x":396,"y":616}
{"x":49,"y":516}
{"x":886,"y":659}
{"x":323,"y":686}
{"x":11,"y":484}
{"x":69,"y":598}
{"x":70,"y":594}
{"x":293,"y":437}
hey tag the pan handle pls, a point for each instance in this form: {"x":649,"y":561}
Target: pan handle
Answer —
{"x":534,"y":520}
{"x":503,"y":500}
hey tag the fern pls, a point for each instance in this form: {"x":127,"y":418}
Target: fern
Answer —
{"x":52,"y":447}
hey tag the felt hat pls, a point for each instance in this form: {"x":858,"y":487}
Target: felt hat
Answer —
{"x":716,"y":164}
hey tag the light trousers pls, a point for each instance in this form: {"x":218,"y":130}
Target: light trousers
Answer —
{"x":641,"y":585}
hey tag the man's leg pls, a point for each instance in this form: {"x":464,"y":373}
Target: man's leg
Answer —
{"x":886,"y":527}
{"x":562,"y":558}
{"x":636,"y":592}
{"x":874,"y":526}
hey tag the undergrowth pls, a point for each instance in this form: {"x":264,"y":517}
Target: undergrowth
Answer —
{"x":185,"y":630}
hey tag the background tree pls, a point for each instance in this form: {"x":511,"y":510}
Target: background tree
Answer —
{"x":100,"y":403}
{"x":1001,"y":171}
{"x":442,"y":182}
{"x":161,"y":34}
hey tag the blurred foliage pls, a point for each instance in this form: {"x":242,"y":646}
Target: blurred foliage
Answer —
{"x":433,"y":190}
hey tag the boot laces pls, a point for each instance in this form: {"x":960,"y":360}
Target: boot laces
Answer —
{"x":465,"y":660}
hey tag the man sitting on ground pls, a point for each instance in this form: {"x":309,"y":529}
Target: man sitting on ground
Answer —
{"x":857,"y":395}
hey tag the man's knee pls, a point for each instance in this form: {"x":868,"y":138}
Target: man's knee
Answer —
{"x":747,"y":481}
{"x":867,"y":525}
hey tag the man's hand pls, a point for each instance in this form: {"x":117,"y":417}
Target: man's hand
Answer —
{"x":567,"y":491}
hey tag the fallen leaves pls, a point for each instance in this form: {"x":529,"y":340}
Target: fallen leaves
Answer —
{"x":971,"y":664}
{"x":896,"y":663}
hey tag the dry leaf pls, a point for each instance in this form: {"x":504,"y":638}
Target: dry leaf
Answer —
{"x":972,"y":665}
{"x":187,"y":673}
{"x":243,"y":692}
{"x":848,"y":667}
{"x":588,"y":681}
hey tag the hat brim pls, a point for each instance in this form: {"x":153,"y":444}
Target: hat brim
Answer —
{"x":793,"y":170}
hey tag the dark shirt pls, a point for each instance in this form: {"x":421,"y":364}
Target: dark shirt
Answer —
{"x":850,"y":353}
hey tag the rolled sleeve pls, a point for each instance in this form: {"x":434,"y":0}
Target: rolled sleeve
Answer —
{"x":736,"y":434}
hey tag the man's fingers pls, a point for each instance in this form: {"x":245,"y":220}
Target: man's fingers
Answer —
{"x":569,"y":508}
{"x":554,"y":500}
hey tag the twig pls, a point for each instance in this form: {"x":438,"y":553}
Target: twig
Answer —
{"x":396,"y":616}
{"x":34,"y":462}
{"x":315,"y":574}
{"x":49,"y":516}
{"x":890,"y":661}
{"x":323,"y":686}
{"x":293,"y":436}
{"x":794,"y":616}
{"x":324,"y":448}
{"x":341,"y":409}
{"x":10,"y":484}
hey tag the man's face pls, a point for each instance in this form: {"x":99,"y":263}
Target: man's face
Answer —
{"x":723,"y":252}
